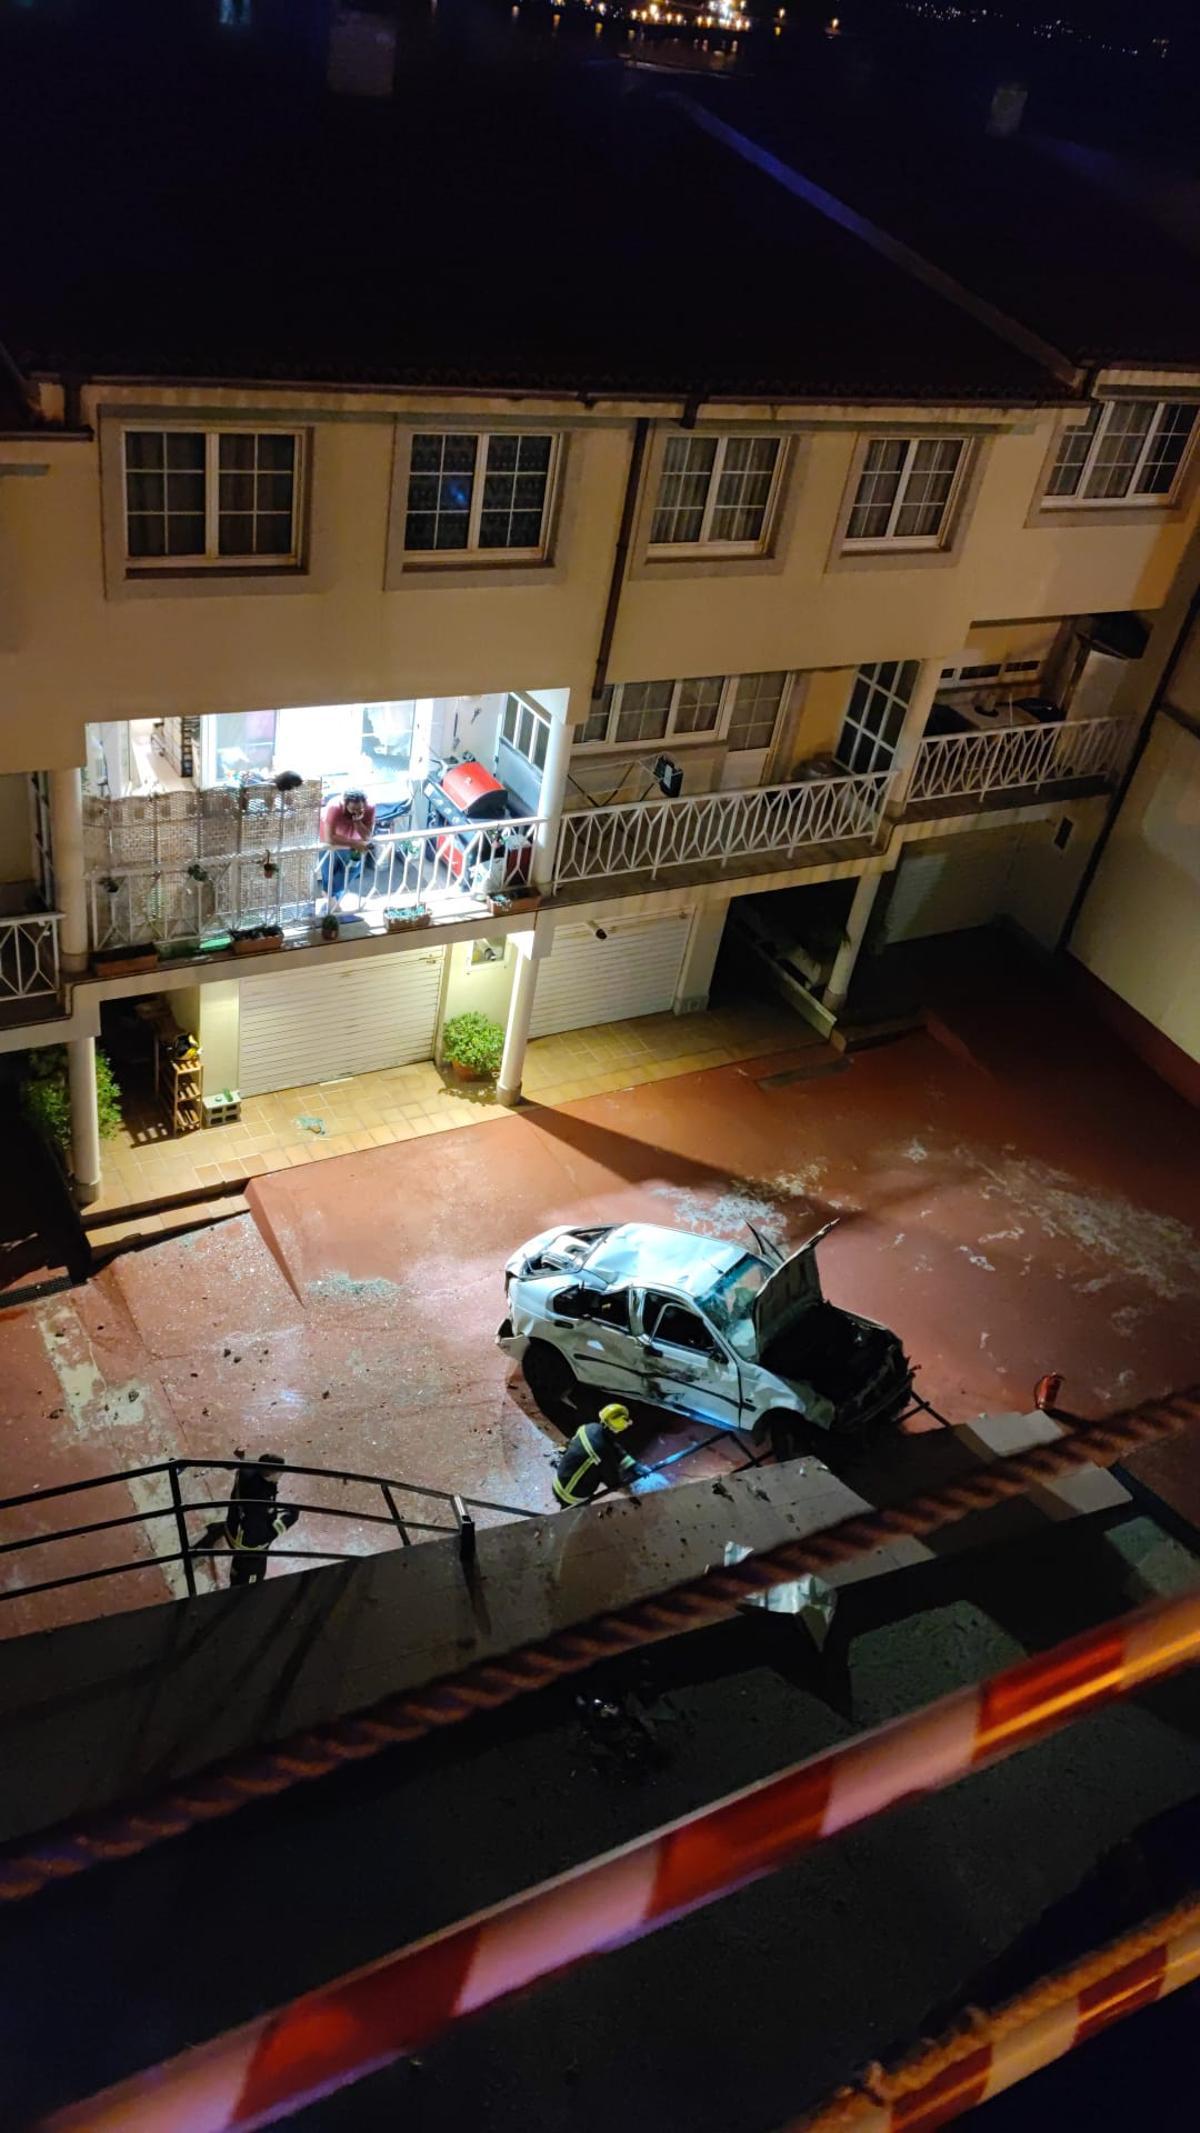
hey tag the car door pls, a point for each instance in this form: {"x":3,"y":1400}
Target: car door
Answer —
{"x":686,"y":1366}
{"x":601,"y":1346}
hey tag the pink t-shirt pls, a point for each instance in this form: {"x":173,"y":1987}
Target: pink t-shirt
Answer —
{"x":340,"y":827}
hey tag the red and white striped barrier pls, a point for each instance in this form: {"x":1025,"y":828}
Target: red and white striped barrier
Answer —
{"x":262,"y":2072}
{"x":1050,"y":2028}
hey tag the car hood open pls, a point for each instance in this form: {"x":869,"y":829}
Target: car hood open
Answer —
{"x":793,"y":1288}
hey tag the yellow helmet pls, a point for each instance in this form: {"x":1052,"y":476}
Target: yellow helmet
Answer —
{"x":616,"y":1417}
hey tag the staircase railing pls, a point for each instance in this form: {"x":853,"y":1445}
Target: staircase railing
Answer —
{"x":458,"y":1518}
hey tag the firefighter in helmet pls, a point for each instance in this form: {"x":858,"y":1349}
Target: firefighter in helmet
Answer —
{"x":595,"y":1459}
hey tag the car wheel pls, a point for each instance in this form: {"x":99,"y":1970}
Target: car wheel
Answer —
{"x":551,"y":1380}
{"x":789,"y":1435}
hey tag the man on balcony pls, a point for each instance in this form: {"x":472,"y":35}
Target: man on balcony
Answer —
{"x":347,"y":827}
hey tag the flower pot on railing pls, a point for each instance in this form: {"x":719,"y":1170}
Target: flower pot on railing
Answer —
{"x":512,"y":901}
{"x":257,"y":940}
{"x":407,"y":918}
{"x":125,"y":962}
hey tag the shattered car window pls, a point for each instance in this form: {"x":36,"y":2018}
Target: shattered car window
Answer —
{"x":730,"y":1303}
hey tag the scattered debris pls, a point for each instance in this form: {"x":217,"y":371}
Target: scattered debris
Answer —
{"x":809,"y":1597}
{"x":311,"y":1125}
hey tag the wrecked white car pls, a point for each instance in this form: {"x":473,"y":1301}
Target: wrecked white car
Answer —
{"x":736,"y":1339}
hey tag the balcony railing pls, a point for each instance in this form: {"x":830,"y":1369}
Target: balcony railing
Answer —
{"x":453,"y":871}
{"x":971,"y":765}
{"x":29,"y":957}
{"x":770,"y":822}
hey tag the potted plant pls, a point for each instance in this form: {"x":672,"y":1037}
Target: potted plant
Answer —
{"x":406,"y":918}
{"x":46,"y":1101}
{"x":472,"y":1046}
{"x":330,"y":926}
{"x":256,"y":940}
{"x":125,"y":962}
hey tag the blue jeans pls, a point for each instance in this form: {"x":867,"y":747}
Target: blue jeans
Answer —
{"x":341,"y":869}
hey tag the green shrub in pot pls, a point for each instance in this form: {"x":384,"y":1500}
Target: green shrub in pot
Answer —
{"x":473,"y":1044}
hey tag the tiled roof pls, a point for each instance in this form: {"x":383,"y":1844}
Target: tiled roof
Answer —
{"x":502,"y":226}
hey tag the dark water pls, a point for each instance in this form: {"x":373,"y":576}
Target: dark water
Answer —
{"x":1121,"y":76}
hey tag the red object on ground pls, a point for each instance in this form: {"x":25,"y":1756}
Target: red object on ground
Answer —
{"x":275,"y":2065}
{"x":1046,"y":1391}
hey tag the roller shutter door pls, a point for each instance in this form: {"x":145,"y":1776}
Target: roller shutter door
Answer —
{"x":585,"y":981}
{"x":950,"y":888}
{"x":315,"y":1025}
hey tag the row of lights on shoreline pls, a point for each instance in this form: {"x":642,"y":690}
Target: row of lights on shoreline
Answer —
{"x":726,"y":15}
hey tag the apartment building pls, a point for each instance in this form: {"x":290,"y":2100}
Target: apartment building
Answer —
{"x":849,"y":598}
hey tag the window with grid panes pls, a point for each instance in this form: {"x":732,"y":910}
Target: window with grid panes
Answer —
{"x":211,"y":495}
{"x":904,"y":490}
{"x":875,"y":714}
{"x":643,"y":710}
{"x":478,"y":494}
{"x":714,"y":492}
{"x":526,"y":730}
{"x":596,"y":724}
{"x":698,"y":705}
{"x":1126,"y":451}
{"x":754,"y":710}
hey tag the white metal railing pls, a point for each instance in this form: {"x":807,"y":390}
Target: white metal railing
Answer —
{"x":961,"y":765}
{"x":648,"y":836}
{"x":29,"y":956}
{"x":287,"y":883}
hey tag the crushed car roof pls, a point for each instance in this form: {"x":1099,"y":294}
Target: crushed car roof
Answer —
{"x":638,"y":1252}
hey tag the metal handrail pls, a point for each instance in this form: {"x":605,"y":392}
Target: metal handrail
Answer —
{"x":462,"y":1508}
{"x":30,"y":969}
{"x":1010,"y":758}
{"x":647,"y":836}
{"x":147,"y":901}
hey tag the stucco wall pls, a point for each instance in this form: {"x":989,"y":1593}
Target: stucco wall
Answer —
{"x":75,"y":647}
{"x":1139,"y":928}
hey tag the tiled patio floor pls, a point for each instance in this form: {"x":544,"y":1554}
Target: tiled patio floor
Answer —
{"x":325,"y":1119}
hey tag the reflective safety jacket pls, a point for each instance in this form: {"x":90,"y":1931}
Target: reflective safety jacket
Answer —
{"x":593,"y":1459}
{"x":256,"y":1517}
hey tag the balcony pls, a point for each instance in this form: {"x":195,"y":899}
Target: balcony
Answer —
{"x":709,"y":838}
{"x":29,"y":973}
{"x":1017,"y":763}
{"x":183,"y":871}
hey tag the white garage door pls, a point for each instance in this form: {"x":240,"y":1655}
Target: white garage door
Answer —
{"x":956,"y":885}
{"x":634,"y":972}
{"x":314,"y":1025}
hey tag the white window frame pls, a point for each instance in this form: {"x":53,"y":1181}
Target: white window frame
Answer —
{"x":973,"y":674}
{"x":473,"y":555}
{"x":212,"y":559}
{"x":704,"y":543}
{"x":891,"y":542}
{"x":711,"y":736}
{"x":522,"y":708}
{"x":883,"y":752}
{"x":1156,"y":500}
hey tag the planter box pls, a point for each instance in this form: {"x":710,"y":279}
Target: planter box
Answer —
{"x":124,"y":962}
{"x":407,"y":921}
{"x":509,"y":906}
{"x":267,"y":946}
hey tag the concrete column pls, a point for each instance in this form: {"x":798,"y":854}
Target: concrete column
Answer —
{"x":553,"y":787}
{"x":838,"y":985}
{"x":85,"y":1119}
{"x":66,"y":831}
{"x":516,"y":1029}
{"x":912,"y":732}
